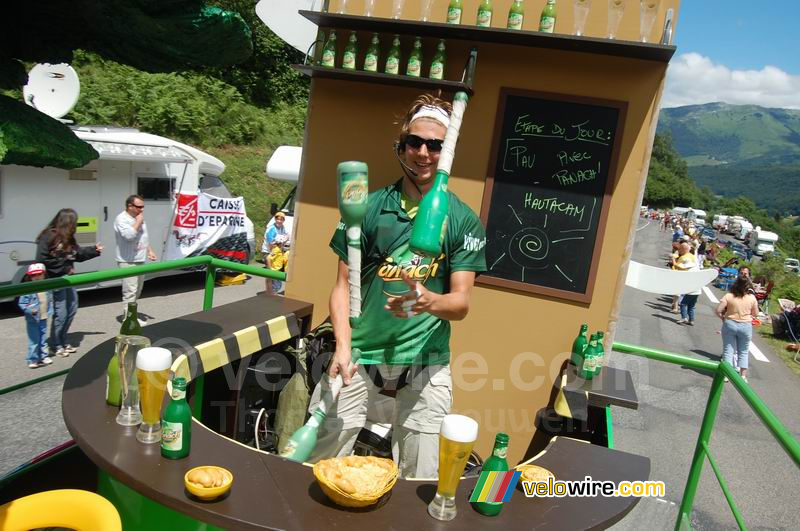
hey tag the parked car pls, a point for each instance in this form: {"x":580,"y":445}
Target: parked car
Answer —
{"x":792,"y":264}
{"x":708,"y":234}
{"x":741,"y":251}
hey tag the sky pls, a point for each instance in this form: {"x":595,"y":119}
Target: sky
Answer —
{"x":736,"y":51}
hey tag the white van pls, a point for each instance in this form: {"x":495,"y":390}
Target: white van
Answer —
{"x":745,"y":227}
{"x":697,"y":216}
{"x":762,"y":241}
{"x":719,"y":221}
{"x":131,"y":162}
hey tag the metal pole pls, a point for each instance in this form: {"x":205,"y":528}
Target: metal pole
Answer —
{"x":208,"y":296}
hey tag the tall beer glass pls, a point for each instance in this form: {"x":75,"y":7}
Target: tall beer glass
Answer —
{"x":456,"y":439}
{"x":152,"y":372}
{"x":127,"y":349}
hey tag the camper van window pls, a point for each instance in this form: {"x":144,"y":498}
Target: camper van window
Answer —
{"x":155,"y":188}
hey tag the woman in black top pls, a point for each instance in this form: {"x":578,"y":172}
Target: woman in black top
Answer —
{"x":57,"y":250}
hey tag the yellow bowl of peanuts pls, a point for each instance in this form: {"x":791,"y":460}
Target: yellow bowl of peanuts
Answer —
{"x":208,"y":482}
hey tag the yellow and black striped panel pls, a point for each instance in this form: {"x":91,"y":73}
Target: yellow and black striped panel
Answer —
{"x":220,"y":351}
{"x":571,"y":403}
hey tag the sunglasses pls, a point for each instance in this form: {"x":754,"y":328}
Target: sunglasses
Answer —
{"x":434,"y":145}
{"x":134,"y":205}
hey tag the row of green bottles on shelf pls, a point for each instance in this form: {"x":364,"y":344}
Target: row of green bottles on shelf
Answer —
{"x":392,"y":64}
{"x":516,"y":15}
{"x":588,"y":355}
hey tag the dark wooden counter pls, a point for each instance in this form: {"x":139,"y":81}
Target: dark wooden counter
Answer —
{"x":272,"y":493}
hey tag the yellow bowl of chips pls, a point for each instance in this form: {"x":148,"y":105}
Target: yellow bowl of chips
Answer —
{"x":208,"y":482}
{"x":356,"y":481}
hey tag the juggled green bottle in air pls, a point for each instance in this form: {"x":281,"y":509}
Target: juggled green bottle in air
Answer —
{"x":414,"y":67}
{"x":350,"y":52}
{"x":439,"y":61}
{"x":516,"y":15}
{"x":547,"y":22}
{"x":393,"y":58}
{"x":328,"y":58}
{"x":371,"y":59}
{"x":485,"y":14}
{"x":454,"y":12}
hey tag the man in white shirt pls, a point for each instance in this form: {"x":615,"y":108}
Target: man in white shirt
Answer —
{"x":133,"y":246}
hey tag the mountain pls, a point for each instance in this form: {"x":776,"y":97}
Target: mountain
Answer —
{"x":740,"y":150}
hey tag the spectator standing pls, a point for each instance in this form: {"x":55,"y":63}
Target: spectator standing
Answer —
{"x":277,"y":229}
{"x":276,"y":260}
{"x":684,"y":262}
{"x":133,"y":247}
{"x":37,"y":307}
{"x":737,"y":310}
{"x":57,"y":249}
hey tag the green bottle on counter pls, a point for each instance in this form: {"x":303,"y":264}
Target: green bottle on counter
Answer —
{"x":578,"y":346}
{"x":601,"y":353}
{"x":371,"y":59}
{"x":439,"y":61}
{"x":547,"y":22}
{"x":393,"y":58}
{"x":497,"y":462}
{"x":350,"y":52}
{"x":303,"y":441}
{"x":454,"y":12}
{"x":516,"y":15}
{"x":485,"y":14}
{"x":588,"y":368}
{"x":328,"y":58}
{"x":414,"y":67}
{"x":176,"y":424}
{"x":130,"y":327}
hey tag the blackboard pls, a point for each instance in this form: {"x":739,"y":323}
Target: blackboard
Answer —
{"x":548,"y":187}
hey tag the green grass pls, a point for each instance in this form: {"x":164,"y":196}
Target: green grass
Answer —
{"x":245,"y":175}
{"x":779,"y":346}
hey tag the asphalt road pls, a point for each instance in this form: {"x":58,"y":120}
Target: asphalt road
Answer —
{"x":762,"y":478}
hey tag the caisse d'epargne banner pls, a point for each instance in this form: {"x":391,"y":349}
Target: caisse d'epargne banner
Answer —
{"x":208,"y":225}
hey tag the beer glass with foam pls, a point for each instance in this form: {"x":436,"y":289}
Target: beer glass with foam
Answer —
{"x":152,"y":372}
{"x":456,"y":439}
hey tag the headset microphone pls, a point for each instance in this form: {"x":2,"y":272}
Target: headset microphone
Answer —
{"x":405,"y":166}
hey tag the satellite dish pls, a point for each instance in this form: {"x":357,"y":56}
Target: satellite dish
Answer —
{"x":282,"y":17}
{"x":52,"y":89}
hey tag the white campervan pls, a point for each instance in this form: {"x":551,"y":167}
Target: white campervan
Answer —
{"x":131,"y":162}
{"x":697,"y":216}
{"x":762,"y":241}
{"x":744,"y":229}
{"x":719,"y":221}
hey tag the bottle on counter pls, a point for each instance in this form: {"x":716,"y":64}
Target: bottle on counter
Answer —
{"x":130,"y":327}
{"x":439,"y":61}
{"x":393,"y":58}
{"x":328,"y":58}
{"x":497,"y":462}
{"x":588,"y":368}
{"x":516,"y":15}
{"x":350,"y":52}
{"x":601,"y":353}
{"x":547,"y":22}
{"x":578,"y":346}
{"x":414,"y":67}
{"x":373,"y":53}
{"x":176,"y":424}
{"x":485,"y":10}
{"x":454,"y":12}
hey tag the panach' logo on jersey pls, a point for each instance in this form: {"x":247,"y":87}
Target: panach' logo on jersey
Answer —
{"x":418,"y":268}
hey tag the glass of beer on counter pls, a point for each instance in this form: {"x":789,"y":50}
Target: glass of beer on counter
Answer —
{"x":127,"y":349}
{"x":456,"y":439}
{"x":152,"y":372}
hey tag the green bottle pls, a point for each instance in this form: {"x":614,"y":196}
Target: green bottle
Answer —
{"x":430,"y":223}
{"x":485,"y":14}
{"x":578,"y":346}
{"x":439,"y":61}
{"x":454,"y":12}
{"x":328,"y":58}
{"x":373,"y":52}
{"x":547,"y":22}
{"x":516,"y":15}
{"x":587,"y":369}
{"x":393,"y":58}
{"x":130,"y":327}
{"x":350,"y":52}
{"x":176,"y":424}
{"x":601,"y":353}
{"x":414,"y":67}
{"x":497,"y":462}
{"x":303,"y":441}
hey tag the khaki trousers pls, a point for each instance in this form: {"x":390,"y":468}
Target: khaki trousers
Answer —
{"x":131,"y":286}
{"x":420,"y":407}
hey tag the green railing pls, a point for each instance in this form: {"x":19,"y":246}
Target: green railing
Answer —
{"x":721,"y":370}
{"x":210,"y":263}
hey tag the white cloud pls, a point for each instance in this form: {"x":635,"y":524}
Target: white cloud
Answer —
{"x":693,"y":79}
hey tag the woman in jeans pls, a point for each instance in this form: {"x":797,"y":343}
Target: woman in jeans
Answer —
{"x":737,"y":310}
{"x":57,"y":250}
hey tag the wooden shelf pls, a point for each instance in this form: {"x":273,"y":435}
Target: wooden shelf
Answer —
{"x":554,"y":41}
{"x":384,"y":79}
